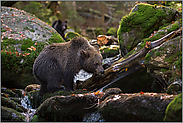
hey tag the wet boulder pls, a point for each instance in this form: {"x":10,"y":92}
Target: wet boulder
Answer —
{"x":174,"y":110}
{"x":135,"y":107}
{"x":109,"y":92}
{"x":109,"y":51}
{"x":175,"y":87}
{"x":12,"y":104}
{"x":10,"y":95}
{"x":11,"y":115}
{"x":66,"y":108}
{"x":35,"y":99}
{"x":32,"y":87}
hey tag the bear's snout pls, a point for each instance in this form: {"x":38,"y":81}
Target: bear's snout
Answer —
{"x":102,"y":71}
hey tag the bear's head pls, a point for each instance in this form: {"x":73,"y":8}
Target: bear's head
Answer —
{"x":62,"y":26}
{"x":91,"y":60}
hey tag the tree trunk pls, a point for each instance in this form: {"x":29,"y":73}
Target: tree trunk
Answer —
{"x":122,"y":67}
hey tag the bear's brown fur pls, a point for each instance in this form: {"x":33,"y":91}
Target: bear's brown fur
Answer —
{"x":59,"y":62}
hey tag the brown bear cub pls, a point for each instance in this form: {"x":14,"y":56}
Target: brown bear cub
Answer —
{"x":59,"y":62}
{"x":60,"y":27}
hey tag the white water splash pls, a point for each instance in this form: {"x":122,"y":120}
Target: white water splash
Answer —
{"x":30,"y":112}
{"x":93,"y":117}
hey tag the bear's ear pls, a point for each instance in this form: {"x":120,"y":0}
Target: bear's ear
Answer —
{"x":59,"y":21}
{"x":84,"y":54}
{"x":96,"y":47}
{"x":66,"y":21}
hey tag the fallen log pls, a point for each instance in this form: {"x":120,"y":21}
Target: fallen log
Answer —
{"x":124,"y":67}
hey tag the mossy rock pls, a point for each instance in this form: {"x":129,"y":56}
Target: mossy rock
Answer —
{"x":71,"y":35}
{"x":35,"y":99}
{"x":11,"y":115}
{"x":11,"y":104}
{"x":157,"y":35}
{"x":18,"y":92}
{"x":167,"y":59}
{"x":10,"y":93}
{"x":66,"y":108}
{"x":55,"y":38}
{"x":109,"y":51}
{"x":134,"y":107}
{"x":16,"y":99}
{"x":174,"y":110}
{"x":26,"y":44}
{"x":141,"y":22}
{"x":112,"y":32}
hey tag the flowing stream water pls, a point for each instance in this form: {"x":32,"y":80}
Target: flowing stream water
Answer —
{"x":25,"y":102}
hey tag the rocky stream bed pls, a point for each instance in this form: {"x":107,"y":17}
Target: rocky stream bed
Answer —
{"x":153,"y":92}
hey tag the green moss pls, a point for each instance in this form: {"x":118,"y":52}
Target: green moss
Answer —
{"x":157,"y":53}
{"x":171,"y":59}
{"x":15,"y":99}
{"x":174,"y":110}
{"x":178,"y":62}
{"x":144,"y":17}
{"x":135,"y":19}
{"x":26,"y":44}
{"x":3,"y":30}
{"x":55,"y":38}
{"x":162,"y":32}
{"x":11,"y":93}
{"x":11,"y":59}
{"x":26,"y":28}
{"x":10,"y":104}
{"x":108,"y":52}
{"x":71,"y":35}
{"x":11,"y":115}
{"x":163,"y":70}
{"x":7,"y":42}
{"x":148,"y":57}
{"x":35,"y":98}
{"x":112,"y":31}
{"x":175,"y":26}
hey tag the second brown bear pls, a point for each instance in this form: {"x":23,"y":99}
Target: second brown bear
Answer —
{"x":59,"y":62}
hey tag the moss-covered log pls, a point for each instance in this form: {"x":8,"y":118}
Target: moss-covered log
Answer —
{"x":126,"y":66}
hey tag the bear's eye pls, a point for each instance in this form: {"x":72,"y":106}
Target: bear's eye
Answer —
{"x":96,"y":64}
